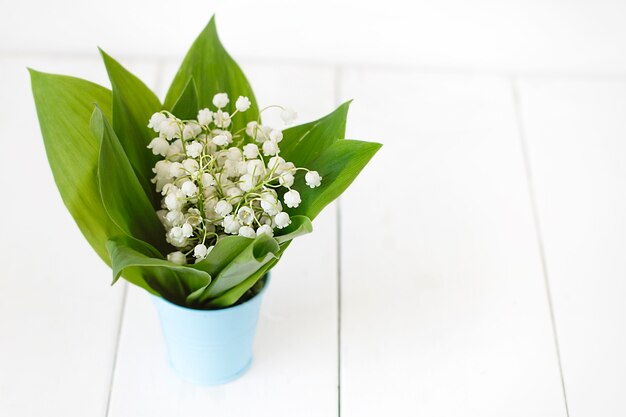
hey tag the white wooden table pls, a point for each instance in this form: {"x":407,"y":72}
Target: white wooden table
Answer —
{"x":476,"y":268}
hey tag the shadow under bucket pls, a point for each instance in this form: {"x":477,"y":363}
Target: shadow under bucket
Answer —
{"x":210,"y":347}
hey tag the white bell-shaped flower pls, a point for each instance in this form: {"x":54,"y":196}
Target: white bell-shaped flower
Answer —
{"x":177,"y":257}
{"x":292,"y":199}
{"x":223,"y":208}
{"x":313,"y":179}
{"x":247,"y":231}
{"x":205,"y":117}
{"x":220,"y":100}
{"x":282,"y":220}
{"x":155,"y":121}
{"x":159,"y":146}
{"x":242,"y":104}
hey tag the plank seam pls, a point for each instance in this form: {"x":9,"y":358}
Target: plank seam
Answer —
{"x":517,"y":104}
{"x":337,"y":99}
{"x":117,"y":347}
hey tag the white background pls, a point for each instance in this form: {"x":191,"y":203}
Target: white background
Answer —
{"x":476,"y":268}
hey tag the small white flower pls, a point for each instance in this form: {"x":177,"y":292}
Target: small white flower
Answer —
{"x":247,"y":231}
{"x":174,"y":200}
{"x":194,"y":149}
{"x":276,"y":135}
{"x":223,"y":208}
{"x":190,"y":165}
{"x":246,"y":182}
{"x":251,"y":129}
{"x":288,"y":115}
{"x":282,"y":220}
{"x":270,"y":148}
{"x":189,"y":188}
{"x":200,"y":251}
{"x":313,"y":179}
{"x":175,"y":217}
{"x":155,"y":121}
{"x":220,"y":100}
{"x":159,"y":146}
{"x":245,"y":215}
{"x":187,"y":230}
{"x":256,"y":167}
{"x":162,"y":169}
{"x":221,"y":119}
{"x":191,"y":130}
{"x":263,"y":134}
{"x":177,"y":257}
{"x":193,"y":217}
{"x":292,"y":199}
{"x":234,"y":154}
{"x":250,"y":151}
{"x":286,"y":179}
{"x":220,"y":140}
{"x":169,"y":189}
{"x":205,"y":117}
{"x":275,"y":163}
{"x":176,"y":148}
{"x":234,"y":194}
{"x":231,"y":224}
{"x":177,"y":169}
{"x":207,"y":180}
{"x":169,"y":128}
{"x":176,"y":237}
{"x":270,"y":204}
{"x":265,"y":229}
{"x":242,"y":103}
{"x":287,"y":167}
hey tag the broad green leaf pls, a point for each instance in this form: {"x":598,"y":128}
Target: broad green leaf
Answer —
{"x":300,"y":225}
{"x":64,"y":106}
{"x":186,"y":107}
{"x":213,"y":71}
{"x":233,"y":295}
{"x":222,"y":254}
{"x":339,"y":165}
{"x":142,"y":265}
{"x":258,"y":253}
{"x":120,"y":190}
{"x":304,"y":143}
{"x":133,"y":104}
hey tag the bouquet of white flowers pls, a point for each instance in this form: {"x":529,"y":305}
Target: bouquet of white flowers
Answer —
{"x":193,"y":199}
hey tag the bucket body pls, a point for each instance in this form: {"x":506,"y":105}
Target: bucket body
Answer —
{"x":209,"y":347}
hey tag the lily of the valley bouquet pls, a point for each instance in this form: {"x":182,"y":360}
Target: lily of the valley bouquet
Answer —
{"x":194,"y":199}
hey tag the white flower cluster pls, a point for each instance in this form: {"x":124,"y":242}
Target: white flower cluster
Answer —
{"x":216,"y":182}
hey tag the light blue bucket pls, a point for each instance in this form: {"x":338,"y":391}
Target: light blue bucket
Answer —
{"x":210,"y":347}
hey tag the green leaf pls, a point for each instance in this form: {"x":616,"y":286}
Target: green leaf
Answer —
{"x":242,"y":264}
{"x":124,"y":199}
{"x":186,"y":107}
{"x":133,"y":104}
{"x":300,"y":225}
{"x":64,"y":106}
{"x":339,"y":165}
{"x":213,"y":71}
{"x":233,"y":295}
{"x":304,"y":143}
{"x":142,"y":265}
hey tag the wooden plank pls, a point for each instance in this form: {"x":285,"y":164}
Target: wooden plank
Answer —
{"x":575,"y":130}
{"x":444,"y":309}
{"x":58,"y":314}
{"x":295,"y":364}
